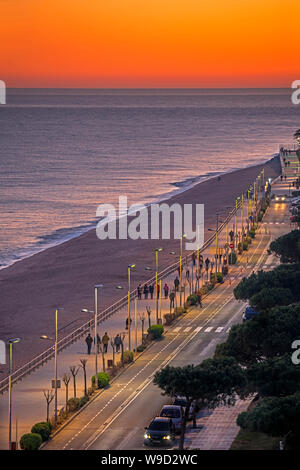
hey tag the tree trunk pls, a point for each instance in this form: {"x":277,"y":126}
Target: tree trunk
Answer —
{"x":183,"y":427}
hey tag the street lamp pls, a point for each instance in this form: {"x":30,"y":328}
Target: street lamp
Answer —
{"x":130,"y":266}
{"x":10,"y":342}
{"x":180,"y":263}
{"x":55,"y":363}
{"x":96,"y":287}
{"x":157,"y":250}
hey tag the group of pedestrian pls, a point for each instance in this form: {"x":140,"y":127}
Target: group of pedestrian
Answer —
{"x":149,"y":290}
{"x":104,"y":341}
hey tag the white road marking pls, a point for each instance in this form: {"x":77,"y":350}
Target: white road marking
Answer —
{"x":187,"y":329}
{"x":207,"y":330}
{"x":219,"y":329}
{"x":198,"y":329}
{"x":177,"y":329}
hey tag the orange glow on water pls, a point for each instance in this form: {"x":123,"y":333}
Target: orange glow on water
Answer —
{"x":177,"y":43}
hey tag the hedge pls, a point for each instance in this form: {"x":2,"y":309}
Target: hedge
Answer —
{"x":103,"y":379}
{"x":30,"y":441}
{"x":127,"y":357}
{"x":192,"y":300}
{"x":73,"y":404}
{"x":156,"y":331}
{"x":43,"y":429}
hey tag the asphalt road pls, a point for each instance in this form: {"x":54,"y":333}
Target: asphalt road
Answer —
{"x":115,"y":420}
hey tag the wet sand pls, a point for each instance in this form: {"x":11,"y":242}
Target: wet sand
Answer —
{"x":64,"y":275}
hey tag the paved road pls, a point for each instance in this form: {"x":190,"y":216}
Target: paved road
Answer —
{"x":116,"y":419}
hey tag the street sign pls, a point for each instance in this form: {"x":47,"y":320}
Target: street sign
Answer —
{"x":231,"y":245}
{"x":57,"y":383}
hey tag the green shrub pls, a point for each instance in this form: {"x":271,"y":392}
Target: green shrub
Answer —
{"x":169,"y":318}
{"x":204,"y":289}
{"x":127,"y":357}
{"x":30,"y":441}
{"x":140,"y":348}
{"x":83,"y":401}
{"x":103,"y":379}
{"x":73,"y":404}
{"x":220,"y":278}
{"x":179,"y":311}
{"x":90,"y":391}
{"x":156,"y":331}
{"x":249,"y":240}
{"x":210,"y":286}
{"x":192,"y":300}
{"x":240,"y":247}
{"x":252,"y":233}
{"x":245,"y":245}
{"x":43,"y":429}
{"x":232,"y":259}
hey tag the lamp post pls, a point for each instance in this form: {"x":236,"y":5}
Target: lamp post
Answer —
{"x":96,"y":287}
{"x":55,"y":362}
{"x":180,"y":267}
{"x":130,"y":266}
{"x":10,"y":342}
{"x":157,"y":250}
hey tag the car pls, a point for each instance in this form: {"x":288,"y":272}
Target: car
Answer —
{"x":249,"y":313}
{"x":160,"y":432}
{"x":181,"y":401}
{"x":280,"y":198}
{"x":174,"y":412}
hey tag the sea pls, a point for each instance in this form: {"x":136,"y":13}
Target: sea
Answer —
{"x":65,"y":151}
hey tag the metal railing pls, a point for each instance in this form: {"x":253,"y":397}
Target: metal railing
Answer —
{"x":72,"y":337}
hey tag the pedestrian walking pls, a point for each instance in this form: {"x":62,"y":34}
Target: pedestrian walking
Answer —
{"x":146,"y":290}
{"x":172,"y":299}
{"x":194,"y":258}
{"x":139,"y":291}
{"x":105,"y":340}
{"x":126,"y":327}
{"x":151,"y":290}
{"x":118,"y":343}
{"x":89,"y":342}
{"x":176,"y":283}
{"x":158,"y":290}
{"x":187,"y":273}
{"x":199,"y":299}
{"x":98,"y":343}
{"x":166,"y":290}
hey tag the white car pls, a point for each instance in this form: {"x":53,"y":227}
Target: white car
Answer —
{"x":181,"y":401}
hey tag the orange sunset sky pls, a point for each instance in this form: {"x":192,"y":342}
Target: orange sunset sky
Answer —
{"x":149,"y":43}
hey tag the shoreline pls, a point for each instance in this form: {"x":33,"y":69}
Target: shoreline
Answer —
{"x":75,"y":232}
{"x":64,"y":275}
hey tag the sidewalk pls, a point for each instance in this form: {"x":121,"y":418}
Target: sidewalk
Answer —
{"x":217,"y":429}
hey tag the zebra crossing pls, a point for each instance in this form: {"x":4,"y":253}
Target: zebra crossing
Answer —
{"x":209,"y":329}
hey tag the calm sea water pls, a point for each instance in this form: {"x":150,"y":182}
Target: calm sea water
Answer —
{"x":63,"y":152}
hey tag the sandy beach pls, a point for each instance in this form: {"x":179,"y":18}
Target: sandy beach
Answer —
{"x":64,"y":275}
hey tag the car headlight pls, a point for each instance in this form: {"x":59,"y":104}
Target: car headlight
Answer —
{"x":147,"y":436}
{"x":276,"y":198}
{"x":167,"y":437}
{"x":283,"y":198}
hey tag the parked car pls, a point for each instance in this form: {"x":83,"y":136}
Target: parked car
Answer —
{"x":174,"y":412}
{"x":160,"y":432}
{"x":181,"y":401}
{"x":249,"y":313}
